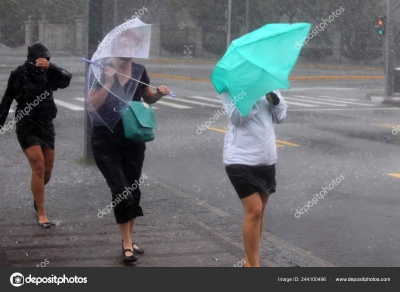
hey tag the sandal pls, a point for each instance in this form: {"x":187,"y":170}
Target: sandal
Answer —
{"x":137,"y":251}
{"x":128,"y":259}
{"x":46,"y":225}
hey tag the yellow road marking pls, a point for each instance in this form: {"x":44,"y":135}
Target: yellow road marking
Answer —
{"x":287,"y":143}
{"x":295,"y":78}
{"x":279,"y":143}
{"x":218,"y":130}
{"x":299,"y":66}
{"x":313,"y":78}
{"x":179,"y":77}
{"x":394,"y":174}
{"x":340,"y":67}
{"x":389,"y":126}
{"x":182,"y":61}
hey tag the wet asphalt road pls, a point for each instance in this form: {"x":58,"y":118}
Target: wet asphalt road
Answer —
{"x":330,"y":130}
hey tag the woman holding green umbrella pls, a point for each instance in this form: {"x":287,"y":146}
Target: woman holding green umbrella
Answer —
{"x":256,"y":63}
{"x":249,"y":158}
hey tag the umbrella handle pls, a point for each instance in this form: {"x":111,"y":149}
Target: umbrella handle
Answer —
{"x":90,"y":62}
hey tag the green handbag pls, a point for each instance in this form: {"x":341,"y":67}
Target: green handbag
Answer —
{"x":139,"y":122}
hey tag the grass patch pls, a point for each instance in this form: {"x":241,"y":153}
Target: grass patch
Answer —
{"x":85,"y":162}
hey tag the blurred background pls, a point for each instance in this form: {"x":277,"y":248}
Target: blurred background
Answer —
{"x":198,"y":28}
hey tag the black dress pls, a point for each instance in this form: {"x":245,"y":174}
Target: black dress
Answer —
{"x":33,"y":88}
{"x":120,"y":160}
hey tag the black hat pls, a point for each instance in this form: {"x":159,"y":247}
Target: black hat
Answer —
{"x":36,"y":51}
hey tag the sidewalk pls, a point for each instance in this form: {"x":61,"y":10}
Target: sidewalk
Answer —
{"x":176,"y":231}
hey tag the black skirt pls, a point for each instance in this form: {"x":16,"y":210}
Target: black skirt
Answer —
{"x":42,"y":135}
{"x":248,"y":180}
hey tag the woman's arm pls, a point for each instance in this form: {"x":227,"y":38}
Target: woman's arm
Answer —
{"x":279,"y":109}
{"x":9,"y":95}
{"x":58,"y":77}
{"x":149,"y":96}
{"x":98,"y":96}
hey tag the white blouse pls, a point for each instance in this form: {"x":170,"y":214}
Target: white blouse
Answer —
{"x":251,"y":140}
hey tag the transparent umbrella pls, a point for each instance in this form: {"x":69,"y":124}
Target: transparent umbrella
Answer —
{"x":129,"y":40}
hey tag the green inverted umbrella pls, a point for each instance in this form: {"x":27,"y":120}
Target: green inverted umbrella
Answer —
{"x":259,"y":62}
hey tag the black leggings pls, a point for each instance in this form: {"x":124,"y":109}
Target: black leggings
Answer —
{"x":120,"y":161}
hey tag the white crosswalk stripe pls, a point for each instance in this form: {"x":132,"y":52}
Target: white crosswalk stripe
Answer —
{"x":317,"y":102}
{"x":314,"y":102}
{"x":206,"y":99}
{"x":68,"y":105}
{"x":172,"y":104}
{"x":343,"y":100}
{"x":297,"y":103}
{"x":191,"y":102}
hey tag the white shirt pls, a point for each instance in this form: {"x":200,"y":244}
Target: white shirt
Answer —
{"x":251,"y":140}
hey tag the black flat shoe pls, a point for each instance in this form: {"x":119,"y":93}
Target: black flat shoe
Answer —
{"x":46,"y":225}
{"x":34,"y":205}
{"x":137,"y":251}
{"x":128,"y":259}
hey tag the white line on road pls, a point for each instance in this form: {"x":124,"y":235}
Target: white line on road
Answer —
{"x":80,"y":99}
{"x":300,"y":104}
{"x":343,"y":109}
{"x":325,"y":98}
{"x":324,"y":88}
{"x":172,"y":104}
{"x":345,"y":100}
{"x":68,"y":105}
{"x":192,"y":102}
{"x":307,"y":99}
{"x":206,"y":99}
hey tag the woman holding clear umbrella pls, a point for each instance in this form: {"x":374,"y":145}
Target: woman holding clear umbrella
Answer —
{"x":119,"y":159}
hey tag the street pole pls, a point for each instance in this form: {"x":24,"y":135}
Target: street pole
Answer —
{"x":95,"y":34}
{"x":228,"y":37}
{"x":389,"y":50}
{"x":247,"y":15}
{"x":116,"y":13}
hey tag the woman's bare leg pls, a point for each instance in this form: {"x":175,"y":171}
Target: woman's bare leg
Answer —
{"x":48,"y":155}
{"x":125,"y":230}
{"x":37,"y":163}
{"x":132,"y":222}
{"x":264,"y":199}
{"x":251,"y":229}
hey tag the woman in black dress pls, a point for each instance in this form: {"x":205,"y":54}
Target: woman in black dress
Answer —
{"x":32,"y":85}
{"x":120,"y":160}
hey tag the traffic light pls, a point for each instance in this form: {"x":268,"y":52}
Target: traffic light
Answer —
{"x":380,"y":23}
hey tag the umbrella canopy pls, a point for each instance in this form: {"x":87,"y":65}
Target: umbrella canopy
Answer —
{"x":129,"y":40}
{"x":259,"y":62}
